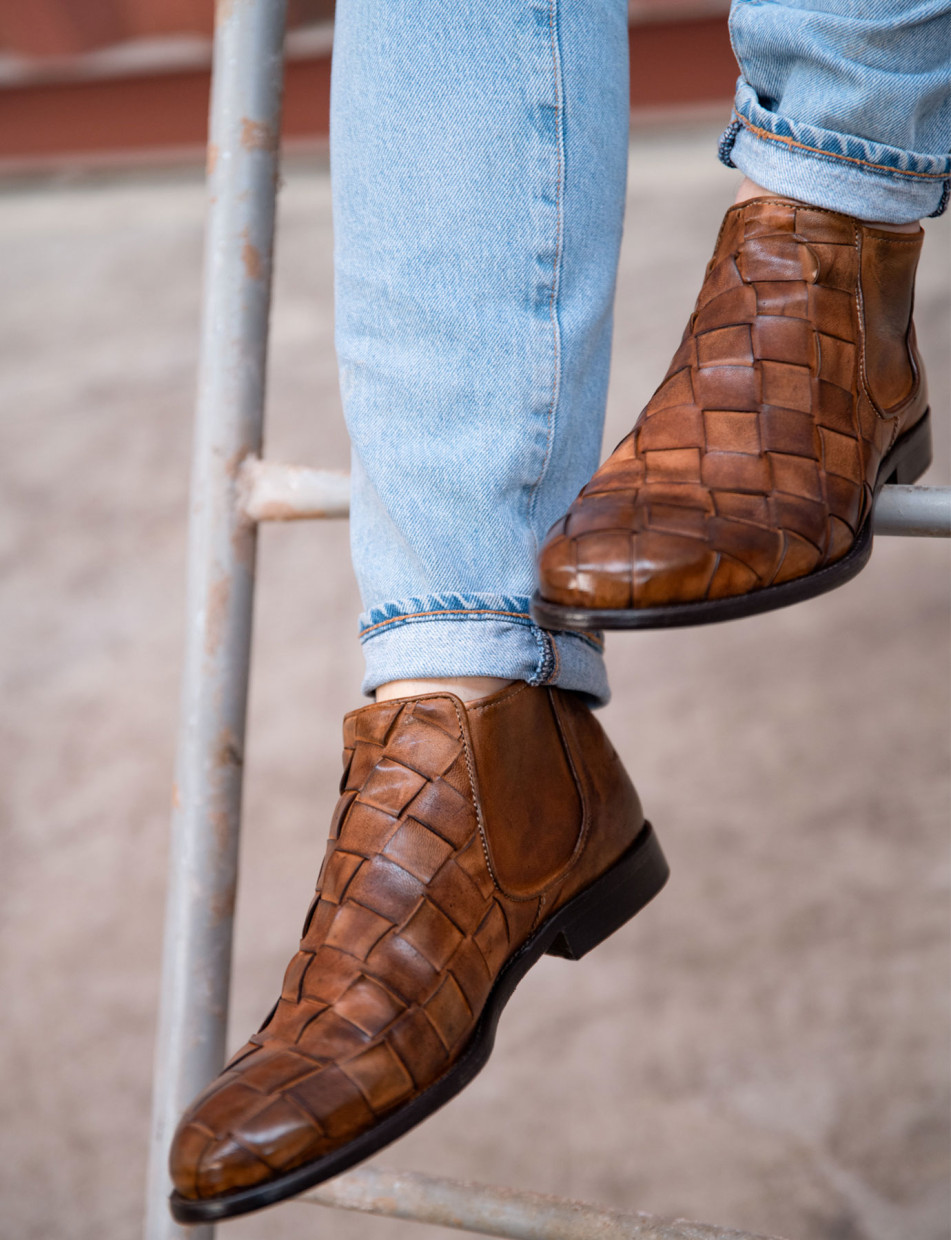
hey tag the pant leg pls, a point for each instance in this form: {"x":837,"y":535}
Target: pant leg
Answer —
{"x":845,"y":104}
{"x":478,"y":156}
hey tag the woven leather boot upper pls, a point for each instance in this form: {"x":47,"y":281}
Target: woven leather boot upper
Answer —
{"x":755,"y":461}
{"x":458,"y":830}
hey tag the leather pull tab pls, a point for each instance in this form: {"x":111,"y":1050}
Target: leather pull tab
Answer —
{"x":518,"y":745}
{"x":888,"y":285}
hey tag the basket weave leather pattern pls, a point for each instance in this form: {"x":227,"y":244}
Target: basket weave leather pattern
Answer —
{"x":407,"y":932}
{"x":754,"y":463}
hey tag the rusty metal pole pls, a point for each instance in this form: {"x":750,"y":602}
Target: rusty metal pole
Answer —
{"x":244,"y":132}
{"x":512,"y":1214}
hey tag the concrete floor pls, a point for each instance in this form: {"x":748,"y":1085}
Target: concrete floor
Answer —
{"x":766,"y":1046}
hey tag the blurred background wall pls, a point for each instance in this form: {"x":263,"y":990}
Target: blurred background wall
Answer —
{"x":104,"y":80}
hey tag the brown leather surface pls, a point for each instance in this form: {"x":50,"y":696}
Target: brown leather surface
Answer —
{"x":410,"y":926}
{"x":754,"y":462}
{"x":525,"y":854}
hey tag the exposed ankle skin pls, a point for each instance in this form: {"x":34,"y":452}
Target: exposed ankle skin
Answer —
{"x":466,"y":688}
{"x":749,"y":189}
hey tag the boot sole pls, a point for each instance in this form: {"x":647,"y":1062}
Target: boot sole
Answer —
{"x":585,"y":921}
{"x":904,"y":464}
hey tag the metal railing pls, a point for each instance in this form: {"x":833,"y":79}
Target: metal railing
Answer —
{"x":231,"y":491}
{"x":509,"y":1213}
{"x":275,"y":492}
{"x":243,"y":142}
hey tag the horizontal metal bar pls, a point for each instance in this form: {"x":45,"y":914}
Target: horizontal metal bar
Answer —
{"x":270,"y":491}
{"x":274,"y":492}
{"x":504,"y":1212}
{"x":919,"y":512}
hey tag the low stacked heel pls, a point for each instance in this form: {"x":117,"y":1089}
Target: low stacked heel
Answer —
{"x":910,"y":456}
{"x":614,"y":899}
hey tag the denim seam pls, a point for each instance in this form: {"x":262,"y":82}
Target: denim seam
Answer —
{"x":943,"y":201}
{"x":556,"y":657}
{"x":550,"y":413}
{"x":863,"y":164}
{"x":727,"y":140}
{"x":547,"y":670}
{"x":446,"y":611}
{"x":471,"y":613}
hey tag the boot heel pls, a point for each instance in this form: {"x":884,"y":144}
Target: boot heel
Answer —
{"x":911,"y":455}
{"x":613,"y":899}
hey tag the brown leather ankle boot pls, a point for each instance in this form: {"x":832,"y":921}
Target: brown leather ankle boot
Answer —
{"x":748,"y":481}
{"x":469,"y":840}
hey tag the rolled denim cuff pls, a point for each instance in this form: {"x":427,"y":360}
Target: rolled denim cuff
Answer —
{"x":840,"y":171}
{"x":477,"y":635}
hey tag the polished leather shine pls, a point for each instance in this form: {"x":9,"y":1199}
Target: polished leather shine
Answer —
{"x":459,"y":830}
{"x":756,"y":461}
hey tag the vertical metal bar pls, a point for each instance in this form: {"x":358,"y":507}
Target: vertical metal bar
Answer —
{"x":242,"y":178}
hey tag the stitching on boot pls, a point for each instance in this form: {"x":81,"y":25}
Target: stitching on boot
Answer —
{"x":474,"y":789}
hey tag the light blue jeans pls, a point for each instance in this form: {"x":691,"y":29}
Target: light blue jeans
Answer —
{"x":478,"y":156}
{"x":845,"y":103}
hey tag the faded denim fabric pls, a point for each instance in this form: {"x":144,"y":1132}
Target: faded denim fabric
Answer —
{"x":845,"y":104}
{"x":479,"y":158}
{"x":479,"y":162}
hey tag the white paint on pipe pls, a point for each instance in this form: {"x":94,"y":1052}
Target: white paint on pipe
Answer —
{"x":270,"y":491}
